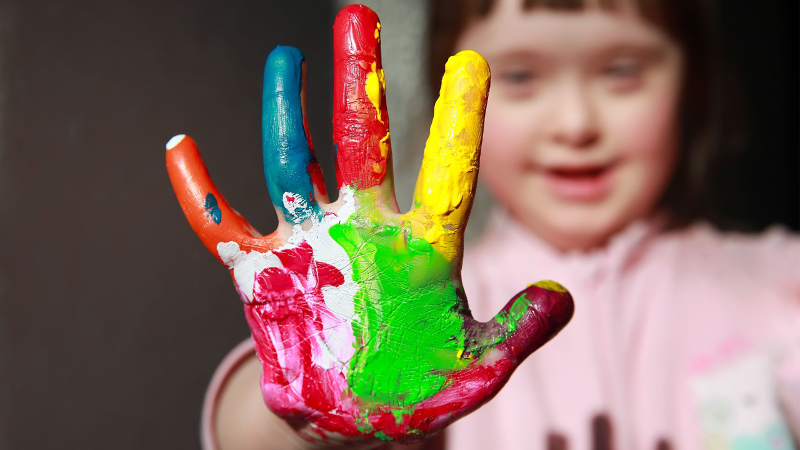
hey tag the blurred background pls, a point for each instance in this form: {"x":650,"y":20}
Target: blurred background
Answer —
{"x":113,"y":316}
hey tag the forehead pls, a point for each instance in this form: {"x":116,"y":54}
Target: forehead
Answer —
{"x":509,"y":28}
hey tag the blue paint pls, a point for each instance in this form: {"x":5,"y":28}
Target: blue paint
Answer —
{"x":286,"y":152}
{"x":212,"y":209}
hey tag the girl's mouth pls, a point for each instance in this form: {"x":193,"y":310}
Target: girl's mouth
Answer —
{"x":586,"y":183}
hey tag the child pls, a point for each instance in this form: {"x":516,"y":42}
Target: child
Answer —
{"x":683,"y":337}
{"x":680,"y":333}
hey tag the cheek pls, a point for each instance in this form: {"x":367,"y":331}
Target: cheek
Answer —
{"x":646,"y":136}
{"x":646,"y":129}
{"x":503,"y":146}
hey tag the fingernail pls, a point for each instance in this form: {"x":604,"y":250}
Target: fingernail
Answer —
{"x":175,"y":141}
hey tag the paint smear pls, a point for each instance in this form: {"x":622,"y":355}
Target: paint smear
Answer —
{"x":212,"y":209}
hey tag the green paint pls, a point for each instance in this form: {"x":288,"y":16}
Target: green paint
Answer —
{"x":409,"y":331}
{"x":519,"y":306}
{"x":363,"y":425}
{"x":382,"y":436}
{"x":511,"y":317}
{"x":398,"y":416}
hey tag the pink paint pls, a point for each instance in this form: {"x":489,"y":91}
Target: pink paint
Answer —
{"x":287,"y":311}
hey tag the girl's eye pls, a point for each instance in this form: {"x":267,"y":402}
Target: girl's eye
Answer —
{"x":623,"y":76}
{"x":625,"y":69}
{"x":517,"y":83}
{"x":517,"y":76}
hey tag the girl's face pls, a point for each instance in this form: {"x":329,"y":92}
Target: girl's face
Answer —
{"x":581,"y":126}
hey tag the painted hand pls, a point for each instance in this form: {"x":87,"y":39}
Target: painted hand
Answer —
{"x":356,"y":310}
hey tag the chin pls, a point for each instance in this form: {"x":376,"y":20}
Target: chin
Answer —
{"x":579,"y":236}
{"x":576,"y":227}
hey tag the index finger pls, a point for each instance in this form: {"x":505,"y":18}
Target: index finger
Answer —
{"x":446,"y":182}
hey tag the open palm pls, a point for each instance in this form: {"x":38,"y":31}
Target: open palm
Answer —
{"x":357,"y":310}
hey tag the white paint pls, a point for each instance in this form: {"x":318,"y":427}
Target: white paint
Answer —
{"x":175,"y":141}
{"x":492,"y":356}
{"x":339,"y":299}
{"x":295,"y":202}
{"x":245,"y":266}
{"x":335,"y":347}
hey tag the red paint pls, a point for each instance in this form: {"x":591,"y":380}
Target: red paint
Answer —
{"x":314,"y":170}
{"x":548,"y":313}
{"x":325,"y":401}
{"x":316,"y":177}
{"x":357,"y":129}
{"x":287,"y":311}
{"x":288,"y":314}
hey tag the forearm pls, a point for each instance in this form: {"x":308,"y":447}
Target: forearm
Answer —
{"x":243,"y":422}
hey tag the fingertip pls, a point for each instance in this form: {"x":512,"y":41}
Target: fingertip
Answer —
{"x":551,"y":286}
{"x":552,"y":302}
{"x":356,"y":32}
{"x":175,"y":140}
{"x":466,"y":65}
{"x":534,"y":316}
{"x":361,"y":13}
{"x":283,"y":70}
{"x":466,"y":58}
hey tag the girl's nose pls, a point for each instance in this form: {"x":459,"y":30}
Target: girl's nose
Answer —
{"x":573,"y":122}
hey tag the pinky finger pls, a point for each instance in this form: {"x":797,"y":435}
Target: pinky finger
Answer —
{"x":210,"y":216}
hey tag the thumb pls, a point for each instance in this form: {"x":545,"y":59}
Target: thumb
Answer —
{"x":531,"y":318}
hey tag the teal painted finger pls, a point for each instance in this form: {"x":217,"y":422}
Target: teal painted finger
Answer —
{"x":288,"y":159}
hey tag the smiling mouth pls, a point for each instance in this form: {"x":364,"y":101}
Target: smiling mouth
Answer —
{"x":579,"y":183}
{"x":578,"y":173}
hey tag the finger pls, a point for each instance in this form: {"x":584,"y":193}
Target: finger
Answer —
{"x":493,"y":350}
{"x":532,"y":318}
{"x":446,"y":183}
{"x":289,"y":162}
{"x":214,"y":221}
{"x":360,"y":118}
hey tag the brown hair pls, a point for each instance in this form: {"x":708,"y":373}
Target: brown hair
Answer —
{"x":691,"y":24}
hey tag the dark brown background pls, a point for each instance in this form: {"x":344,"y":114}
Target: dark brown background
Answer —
{"x":112,"y":314}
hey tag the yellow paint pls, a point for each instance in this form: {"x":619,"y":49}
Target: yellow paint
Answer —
{"x":375,"y":86}
{"x":376,"y":168}
{"x":384,"y":145}
{"x":446,"y":183}
{"x":550,"y":286}
{"x":462,"y":355}
{"x":378,"y":31}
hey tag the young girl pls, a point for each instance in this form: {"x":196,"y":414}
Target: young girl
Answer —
{"x":683,"y":337}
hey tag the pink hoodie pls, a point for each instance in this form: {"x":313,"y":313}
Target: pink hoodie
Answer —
{"x":681,"y":340}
